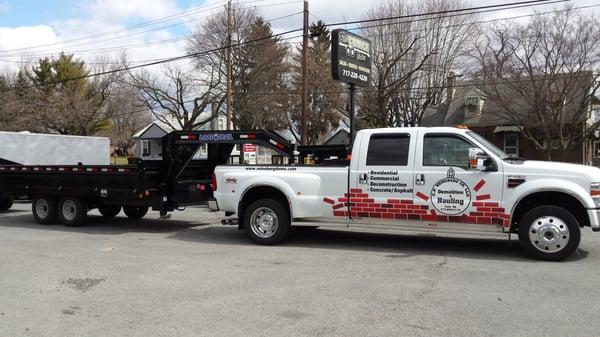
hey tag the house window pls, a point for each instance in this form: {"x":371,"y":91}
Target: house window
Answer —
{"x":145,"y":148}
{"x":511,"y":144}
{"x":220,"y":124}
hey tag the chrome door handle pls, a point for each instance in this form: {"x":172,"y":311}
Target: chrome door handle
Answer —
{"x":420,"y":179}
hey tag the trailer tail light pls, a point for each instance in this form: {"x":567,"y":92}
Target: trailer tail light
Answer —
{"x":213,"y":183}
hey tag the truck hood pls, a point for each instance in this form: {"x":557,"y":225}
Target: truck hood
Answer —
{"x":557,"y":169}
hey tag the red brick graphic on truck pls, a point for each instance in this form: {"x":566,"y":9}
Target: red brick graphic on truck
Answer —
{"x":358,"y":204}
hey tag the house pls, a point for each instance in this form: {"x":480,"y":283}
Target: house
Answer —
{"x":480,"y":108}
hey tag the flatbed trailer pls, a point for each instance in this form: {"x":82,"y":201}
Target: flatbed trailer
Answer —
{"x":65,"y":193}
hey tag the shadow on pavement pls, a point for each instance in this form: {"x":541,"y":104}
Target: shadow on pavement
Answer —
{"x":99,"y":225}
{"x":395,"y":245}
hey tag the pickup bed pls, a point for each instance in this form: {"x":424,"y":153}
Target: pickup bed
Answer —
{"x":448,"y":181}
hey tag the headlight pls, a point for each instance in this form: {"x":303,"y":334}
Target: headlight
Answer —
{"x":595,"y":193}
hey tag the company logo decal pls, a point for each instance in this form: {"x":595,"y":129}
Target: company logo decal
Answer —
{"x":231,"y":180}
{"x":451,"y":195}
{"x":215,"y":137}
{"x":358,"y":204}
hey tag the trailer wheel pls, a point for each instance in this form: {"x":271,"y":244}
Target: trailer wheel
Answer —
{"x":109,"y":211}
{"x":135,"y":212}
{"x":44,"y":210}
{"x":549,"y":233}
{"x":266,"y":222}
{"x":72,"y":211}
{"x":6,"y":204}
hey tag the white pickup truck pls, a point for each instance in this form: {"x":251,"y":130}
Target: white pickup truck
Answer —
{"x":447,"y":181}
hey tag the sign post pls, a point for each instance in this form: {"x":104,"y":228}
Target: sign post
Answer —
{"x":350,"y":63}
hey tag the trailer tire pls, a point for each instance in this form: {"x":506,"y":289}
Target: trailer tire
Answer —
{"x":44,"y":209}
{"x":72,"y":211}
{"x":549,"y":233}
{"x":135,"y":212}
{"x":109,"y":211}
{"x":266,"y":222}
{"x":6,"y":204}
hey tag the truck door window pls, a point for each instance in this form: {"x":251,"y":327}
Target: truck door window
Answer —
{"x":446,"y":150}
{"x":388,"y":149}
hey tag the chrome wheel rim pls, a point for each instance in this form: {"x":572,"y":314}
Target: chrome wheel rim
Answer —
{"x":549,"y":234}
{"x":42,"y":208}
{"x":69,"y":210}
{"x":264,"y":222}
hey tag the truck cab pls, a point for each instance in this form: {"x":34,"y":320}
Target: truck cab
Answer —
{"x":447,"y":181}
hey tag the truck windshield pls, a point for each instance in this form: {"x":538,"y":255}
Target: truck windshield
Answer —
{"x":488,"y":145}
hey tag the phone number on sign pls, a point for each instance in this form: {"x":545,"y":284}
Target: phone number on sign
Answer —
{"x":354,"y":75}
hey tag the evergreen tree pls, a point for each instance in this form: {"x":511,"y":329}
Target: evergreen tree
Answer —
{"x":325,"y":98}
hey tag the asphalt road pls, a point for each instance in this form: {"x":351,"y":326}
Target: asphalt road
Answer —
{"x":189,"y":276}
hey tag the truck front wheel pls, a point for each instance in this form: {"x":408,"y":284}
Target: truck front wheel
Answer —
{"x":549,"y":233}
{"x":6,"y":203}
{"x":266,"y":222}
{"x":72,"y":211}
{"x":44,"y":210}
{"x":135,"y":212}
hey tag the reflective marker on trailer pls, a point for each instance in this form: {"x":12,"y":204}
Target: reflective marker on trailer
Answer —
{"x":188,"y":137}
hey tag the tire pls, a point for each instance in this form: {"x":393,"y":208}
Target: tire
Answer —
{"x":44,"y":210}
{"x":549,"y":233}
{"x":275,"y":225}
{"x":109,"y":211}
{"x":135,"y":212}
{"x":6,"y":204}
{"x":72,"y":211}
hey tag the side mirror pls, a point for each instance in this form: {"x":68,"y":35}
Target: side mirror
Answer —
{"x":478,"y":161}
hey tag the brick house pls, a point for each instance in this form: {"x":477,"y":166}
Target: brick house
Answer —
{"x":471,"y":106}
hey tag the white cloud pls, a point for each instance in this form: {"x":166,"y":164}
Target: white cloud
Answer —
{"x":116,"y":10}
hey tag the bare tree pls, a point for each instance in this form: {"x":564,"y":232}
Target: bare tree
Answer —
{"x":443,"y":41}
{"x":538,"y":75}
{"x":396,"y":59}
{"x":177,"y":98}
{"x":208,"y":43}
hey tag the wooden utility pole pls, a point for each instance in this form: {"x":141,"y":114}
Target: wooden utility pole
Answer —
{"x":229,"y":103}
{"x":304,"y":112}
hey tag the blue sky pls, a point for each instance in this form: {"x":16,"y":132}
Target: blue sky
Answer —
{"x":16,"y":13}
{"x":27,"y":27}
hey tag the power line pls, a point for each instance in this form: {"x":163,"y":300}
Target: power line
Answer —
{"x":132,"y":28}
{"x":456,"y":10}
{"x":135,"y":46}
{"x":181,"y":57}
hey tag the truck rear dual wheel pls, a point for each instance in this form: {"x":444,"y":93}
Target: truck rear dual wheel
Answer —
{"x":72,"y":211}
{"x":44,"y":209}
{"x":5,"y":204}
{"x":549,"y":233}
{"x":266,"y":222}
{"x":135,"y":212}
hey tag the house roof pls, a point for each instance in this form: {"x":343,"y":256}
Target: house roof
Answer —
{"x":494,"y":100}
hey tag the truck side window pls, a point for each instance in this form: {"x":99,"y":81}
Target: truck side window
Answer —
{"x":388,"y":149}
{"x":446,"y":150}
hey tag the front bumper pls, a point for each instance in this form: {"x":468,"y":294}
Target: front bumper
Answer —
{"x":213,"y":205}
{"x":594,"y":215}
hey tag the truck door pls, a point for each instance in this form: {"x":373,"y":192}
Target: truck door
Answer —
{"x":449,"y":192}
{"x":382,"y":184}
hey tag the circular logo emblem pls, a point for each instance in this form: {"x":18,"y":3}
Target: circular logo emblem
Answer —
{"x":450,"y":196}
